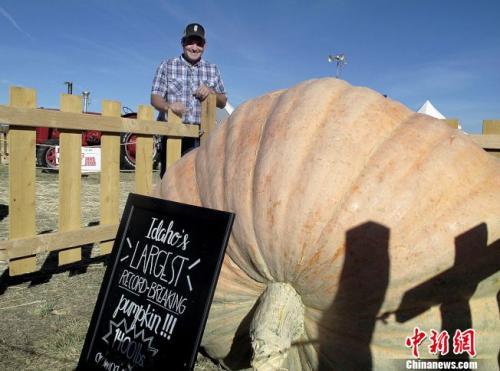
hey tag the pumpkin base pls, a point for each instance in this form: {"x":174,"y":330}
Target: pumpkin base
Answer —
{"x":278,"y":321}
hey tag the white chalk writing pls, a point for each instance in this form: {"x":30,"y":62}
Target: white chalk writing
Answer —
{"x":145,"y":317}
{"x":167,"y":235}
{"x":164,"y":265}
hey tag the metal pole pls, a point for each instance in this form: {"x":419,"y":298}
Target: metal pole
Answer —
{"x":86,"y":95}
{"x":69,"y":85}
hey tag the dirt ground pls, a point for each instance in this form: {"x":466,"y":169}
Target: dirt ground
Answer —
{"x":44,"y":317}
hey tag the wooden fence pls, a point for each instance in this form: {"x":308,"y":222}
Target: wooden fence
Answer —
{"x":21,"y":115}
{"x":489,"y":140}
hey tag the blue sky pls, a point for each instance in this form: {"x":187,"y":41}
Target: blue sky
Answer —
{"x":447,"y":51}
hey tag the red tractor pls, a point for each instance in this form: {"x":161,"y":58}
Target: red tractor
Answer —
{"x":47,"y":140}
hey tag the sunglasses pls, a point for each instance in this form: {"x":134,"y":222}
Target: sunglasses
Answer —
{"x":193,"y":40}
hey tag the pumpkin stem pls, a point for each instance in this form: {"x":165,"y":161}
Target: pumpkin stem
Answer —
{"x":278,"y":321}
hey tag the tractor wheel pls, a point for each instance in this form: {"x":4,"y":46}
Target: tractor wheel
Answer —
{"x":127,"y":151}
{"x":46,"y":155}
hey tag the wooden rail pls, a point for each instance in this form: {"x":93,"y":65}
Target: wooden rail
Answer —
{"x":489,"y":142}
{"x":23,"y":117}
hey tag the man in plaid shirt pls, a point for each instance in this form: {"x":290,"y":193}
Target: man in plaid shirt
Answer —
{"x":182,"y":83}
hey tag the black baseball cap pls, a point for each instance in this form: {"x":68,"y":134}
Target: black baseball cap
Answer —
{"x":194,"y":29}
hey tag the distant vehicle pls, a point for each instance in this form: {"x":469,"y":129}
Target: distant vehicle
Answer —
{"x":47,"y":142}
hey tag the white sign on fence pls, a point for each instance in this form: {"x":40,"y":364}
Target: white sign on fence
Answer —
{"x":91,"y":159}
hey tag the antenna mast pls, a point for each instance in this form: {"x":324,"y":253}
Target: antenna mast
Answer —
{"x":340,"y":60}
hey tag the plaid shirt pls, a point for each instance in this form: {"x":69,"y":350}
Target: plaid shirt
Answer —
{"x":176,"y":80}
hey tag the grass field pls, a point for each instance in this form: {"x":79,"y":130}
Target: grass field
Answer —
{"x":44,"y":317}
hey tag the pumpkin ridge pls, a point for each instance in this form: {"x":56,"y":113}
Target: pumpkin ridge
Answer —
{"x":310,"y":89}
{"x":312,"y":86}
{"x":428,"y":144}
{"x":380,"y":154}
{"x":213,"y":146}
{"x":312,"y":347}
{"x":436,"y":150}
{"x":263,"y":127}
{"x":348,"y":191}
{"x":196,"y":179}
{"x":477,"y":191}
{"x":306,"y":347}
{"x":471,"y":192}
{"x":200,"y":154}
{"x":232,"y":267}
{"x":170,"y":187}
{"x":258,"y":265}
{"x":288,"y":98}
{"x":218,"y":143}
{"x":322,"y":123}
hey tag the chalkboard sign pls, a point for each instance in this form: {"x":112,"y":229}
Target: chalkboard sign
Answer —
{"x":157,"y":288}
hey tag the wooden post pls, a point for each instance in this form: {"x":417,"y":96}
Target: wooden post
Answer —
{"x":110,"y":174}
{"x":70,"y":184}
{"x":174,"y":145}
{"x":144,"y":155}
{"x":452,"y":123}
{"x":207,"y":117}
{"x":492,"y":127}
{"x":22,"y":180}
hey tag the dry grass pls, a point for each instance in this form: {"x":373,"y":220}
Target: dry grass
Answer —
{"x":44,"y":317}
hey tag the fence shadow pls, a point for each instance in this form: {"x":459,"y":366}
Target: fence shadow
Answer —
{"x":50,"y":266}
{"x":452,"y":289}
{"x":48,"y":269}
{"x":4,"y":211}
{"x":349,"y":323}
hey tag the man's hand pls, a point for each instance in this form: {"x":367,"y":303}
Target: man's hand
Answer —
{"x":202,"y":92}
{"x":158,"y":102}
{"x":178,"y":108}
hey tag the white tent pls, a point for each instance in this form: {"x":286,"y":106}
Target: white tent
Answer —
{"x":428,"y":109}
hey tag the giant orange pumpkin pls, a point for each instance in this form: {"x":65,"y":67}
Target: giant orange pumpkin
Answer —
{"x":357,"y":221}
